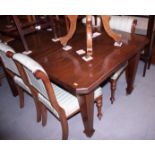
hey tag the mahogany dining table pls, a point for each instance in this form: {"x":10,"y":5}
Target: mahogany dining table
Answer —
{"x":68,"y":70}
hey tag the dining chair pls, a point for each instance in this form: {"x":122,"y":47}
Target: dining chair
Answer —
{"x":62,"y":104}
{"x":146,"y":26}
{"x":125,"y":24}
{"x":32,"y":27}
{"x":6,"y":54}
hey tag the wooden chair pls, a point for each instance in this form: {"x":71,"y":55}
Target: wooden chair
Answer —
{"x":6,"y":53}
{"x":145,"y":26}
{"x":117,"y":23}
{"x":32,"y":26}
{"x":149,"y":30}
{"x":121,"y":24}
{"x":58,"y":101}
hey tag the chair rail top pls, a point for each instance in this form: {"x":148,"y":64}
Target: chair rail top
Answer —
{"x":28,"y":62}
{"x":4,"y":47}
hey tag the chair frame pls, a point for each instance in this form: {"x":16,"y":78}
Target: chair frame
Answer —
{"x":146,"y":57}
{"x":24,"y":31}
{"x":21,"y":90}
{"x":52,"y":98}
{"x":113,"y":82}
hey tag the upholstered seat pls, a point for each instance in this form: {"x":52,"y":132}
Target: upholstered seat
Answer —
{"x":57,"y":100}
{"x":116,"y":75}
{"x":66,"y":100}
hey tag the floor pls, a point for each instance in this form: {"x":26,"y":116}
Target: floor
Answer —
{"x":130,"y":117}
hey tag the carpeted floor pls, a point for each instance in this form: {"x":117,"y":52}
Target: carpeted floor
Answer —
{"x":130,"y":117}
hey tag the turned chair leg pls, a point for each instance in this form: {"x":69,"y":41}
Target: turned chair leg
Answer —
{"x":99,"y":107}
{"x":44,"y":115}
{"x":64,"y":125}
{"x":21,"y":96}
{"x":1,"y":77}
{"x":113,"y":89}
{"x":37,"y":105}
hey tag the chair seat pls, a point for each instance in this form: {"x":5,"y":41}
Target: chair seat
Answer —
{"x":117,"y":73}
{"x":66,"y":100}
{"x":20,"y":82}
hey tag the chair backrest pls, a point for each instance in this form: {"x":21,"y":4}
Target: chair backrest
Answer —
{"x":36,"y":77}
{"x":123,"y":23}
{"x":8,"y":62}
{"x":96,"y":21}
{"x":30,"y":67}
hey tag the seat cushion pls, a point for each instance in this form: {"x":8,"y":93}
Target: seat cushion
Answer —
{"x":20,"y":82}
{"x":66,"y":100}
{"x":117,"y":73}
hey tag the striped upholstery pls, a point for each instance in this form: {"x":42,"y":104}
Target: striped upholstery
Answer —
{"x":117,"y":74}
{"x":8,"y":63}
{"x":31,"y":67}
{"x":20,"y":82}
{"x":29,"y":63}
{"x":121,"y":23}
{"x":65,"y":100}
{"x":142,"y":24}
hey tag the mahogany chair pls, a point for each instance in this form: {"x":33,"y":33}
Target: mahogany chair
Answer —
{"x":6,"y":54}
{"x":34,"y":24}
{"x":145,"y":26}
{"x":117,"y":23}
{"x":58,"y":101}
{"x":121,"y":24}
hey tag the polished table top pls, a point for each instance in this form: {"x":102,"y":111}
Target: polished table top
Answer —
{"x":69,"y":70}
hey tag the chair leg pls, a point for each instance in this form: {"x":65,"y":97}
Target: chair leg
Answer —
{"x":113,"y":89}
{"x":99,"y":107}
{"x":21,"y":32}
{"x":44,"y":115}
{"x":2,"y":75}
{"x":38,"y":106}
{"x":64,"y":126}
{"x":21,"y":96}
